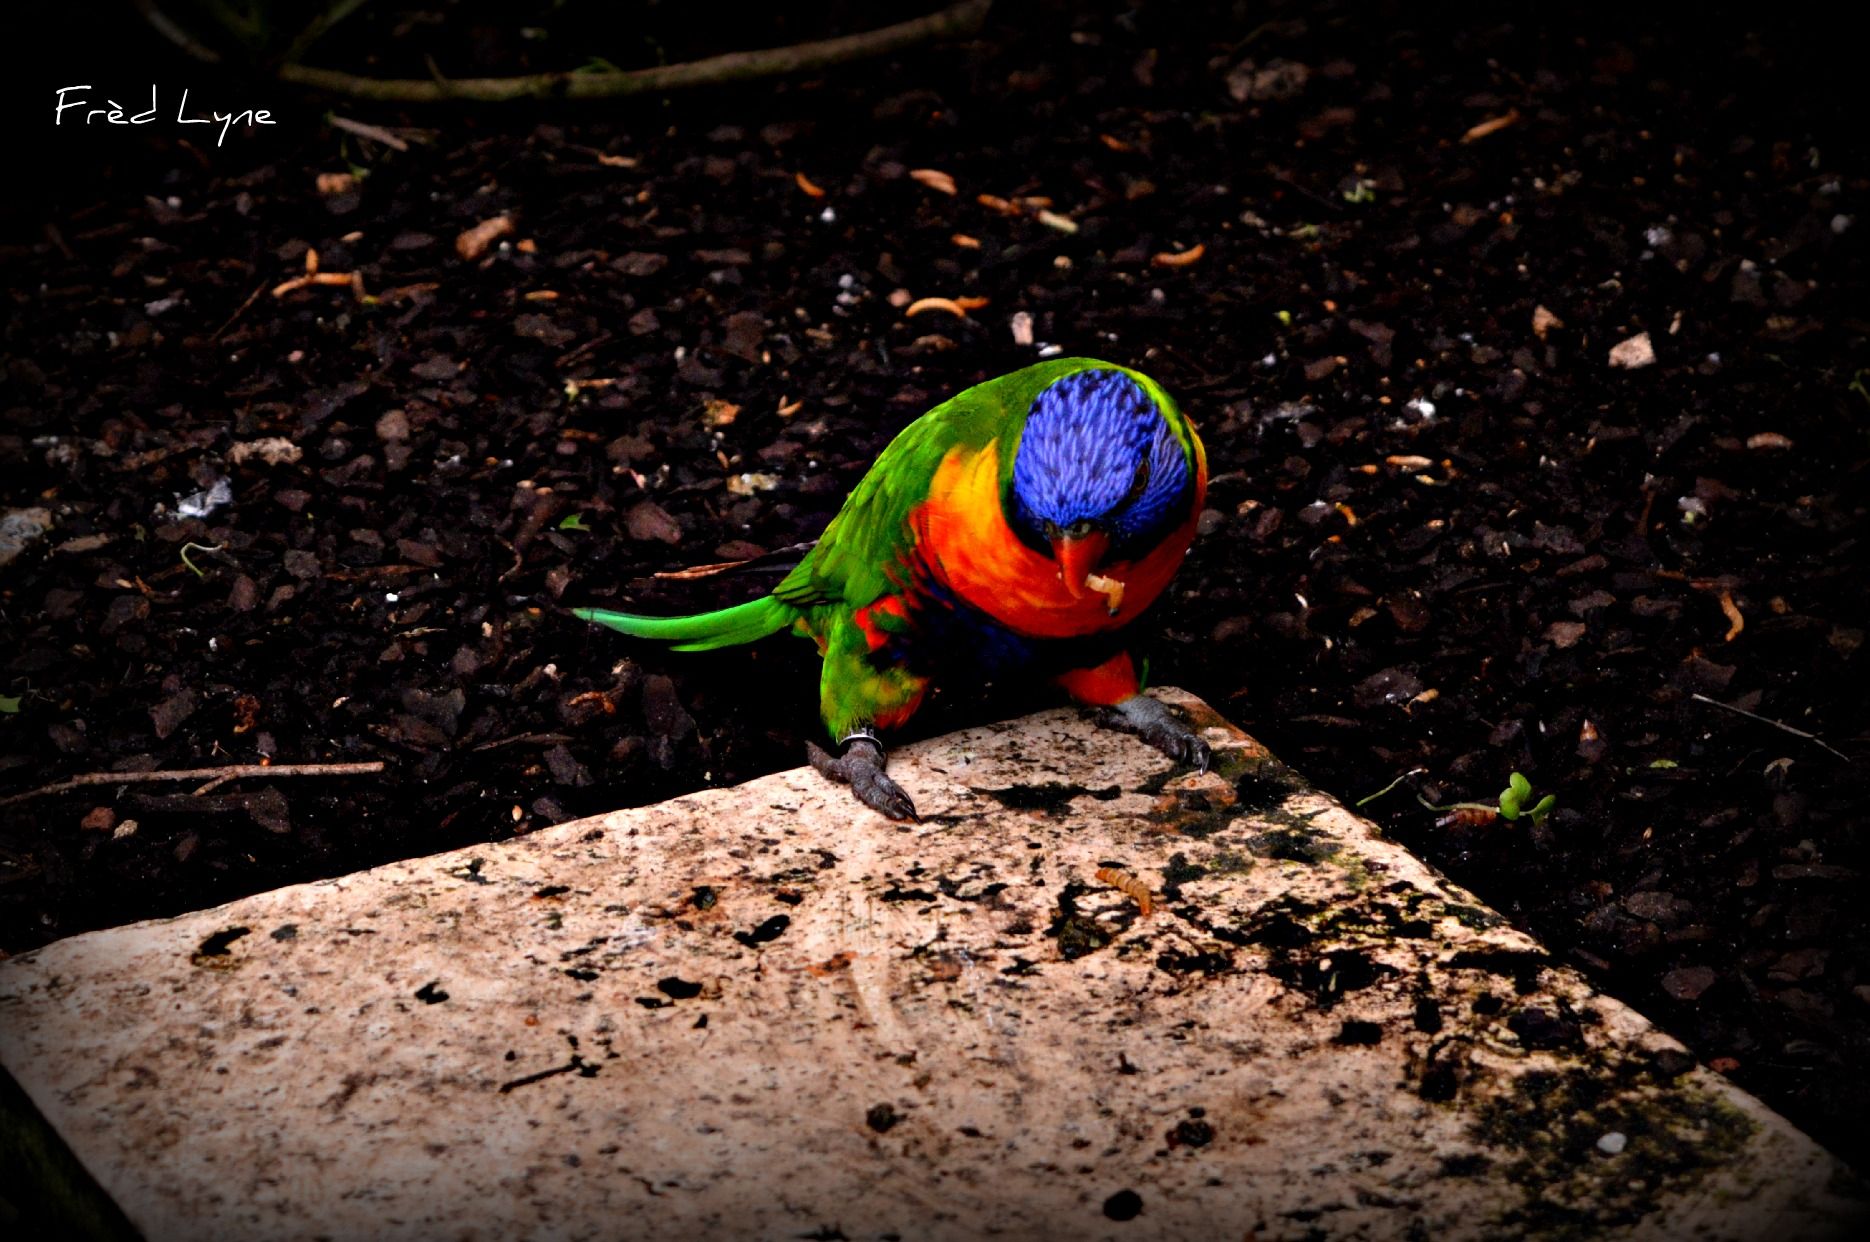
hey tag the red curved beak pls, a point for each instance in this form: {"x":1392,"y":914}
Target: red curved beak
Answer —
{"x":1078,"y":559}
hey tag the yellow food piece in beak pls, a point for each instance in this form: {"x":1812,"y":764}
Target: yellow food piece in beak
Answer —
{"x":1109,"y":588}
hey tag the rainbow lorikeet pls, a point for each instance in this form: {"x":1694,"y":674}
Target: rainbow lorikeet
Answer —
{"x":1020,"y":527}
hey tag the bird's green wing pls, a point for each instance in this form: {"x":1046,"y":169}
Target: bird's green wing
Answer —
{"x":870,"y":536}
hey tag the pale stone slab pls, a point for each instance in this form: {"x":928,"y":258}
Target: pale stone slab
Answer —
{"x":764,"y":1012}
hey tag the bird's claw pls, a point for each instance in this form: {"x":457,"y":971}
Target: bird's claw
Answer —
{"x":1155,"y":724}
{"x":861,"y":767}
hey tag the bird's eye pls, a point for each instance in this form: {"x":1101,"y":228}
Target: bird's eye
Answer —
{"x":1078,"y":530}
{"x":1051,"y":530}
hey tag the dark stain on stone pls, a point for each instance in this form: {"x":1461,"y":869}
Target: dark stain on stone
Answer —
{"x":654,"y":1002}
{"x":431,"y":993}
{"x":1427,"y":1015}
{"x":286,"y":931}
{"x":952,"y":889}
{"x":1487,"y":1004}
{"x":1077,"y":934}
{"x":1124,"y":1205}
{"x":1541,"y":1029}
{"x":1471,"y":917}
{"x":471,"y":872}
{"x":1522,"y":966}
{"x":898,"y":893}
{"x":1190,"y":1133}
{"x":1546,"y":1125}
{"x":1354,"y":1034}
{"x":1179,"y":872}
{"x":678,"y":989}
{"x":216,"y":946}
{"x":1467,"y":1164}
{"x":704,"y":897}
{"x":1440,"y":1083}
{"x":882,"y":1118}
{"x":1670,"y":1063}
{"x":577,"y":1065}
{"x":550,"y":891}
{"x":1176,"y":962}
{"x":767,"y":932}
{"x":1260,"y":792}
{"x":1282,"y":931}
{"x":1327,"y":979}
{"x":583,"y":974}
{"x":1293,"y":845}
{"x":1052,"y":797}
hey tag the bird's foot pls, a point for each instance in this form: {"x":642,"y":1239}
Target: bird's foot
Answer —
{"x":1157,"y":725}
{"x":861,"y":767}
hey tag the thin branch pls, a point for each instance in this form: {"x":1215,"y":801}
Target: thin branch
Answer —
{"x":238,"y":771}
{"x":251,"y":298}
{"x":166,"y":27}
{"x":960,"y":19}
{"x":320,"y":26}
{"x":1777,"y":724}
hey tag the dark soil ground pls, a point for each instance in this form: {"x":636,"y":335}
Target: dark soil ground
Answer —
{"x":1446,"y":533}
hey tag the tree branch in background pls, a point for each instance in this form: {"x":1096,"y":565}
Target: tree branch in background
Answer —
{"x":165,"y":26}
{"x":960,"y":19}
{"x":319,"y":26}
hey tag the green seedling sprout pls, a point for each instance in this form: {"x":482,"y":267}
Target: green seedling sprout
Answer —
{"x":1515,"y":799}
{"x":573,"y":522}
{"x":9,"y":704}
{"x":1363,"y":192}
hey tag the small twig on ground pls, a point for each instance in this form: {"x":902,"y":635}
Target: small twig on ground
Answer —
{"x":234,"y":772}
{"x":526,"y":739}
{"x":1777,"y":724}
{"x":375,"y":133}
{"x":251,"y":299}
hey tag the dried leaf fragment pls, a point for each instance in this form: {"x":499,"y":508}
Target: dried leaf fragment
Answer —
{"x":1408,"y":461}
{"x":473,"y":243}
{"x":1768,"y":440}
{"x":1492,"y":125}
{"x":933,"y":178}
{"x":966,"y":241}
{"x":805,"y":183}
{"x":1543,"y":321}
{"x":1180,"y":258}
{"x":993,"y":202}
{"x":335,"y":182}
{"x":719,"y":413}
{"x":1052,"y":220}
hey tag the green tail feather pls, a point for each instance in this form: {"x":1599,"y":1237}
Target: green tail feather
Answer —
{"x":742,"y":623}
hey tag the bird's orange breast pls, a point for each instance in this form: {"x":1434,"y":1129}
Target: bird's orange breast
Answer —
{"x":965,"y":544}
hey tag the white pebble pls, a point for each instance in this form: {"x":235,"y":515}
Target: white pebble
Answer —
{"x":1612,"y":1143}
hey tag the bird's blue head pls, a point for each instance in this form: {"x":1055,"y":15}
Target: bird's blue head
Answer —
{"x":1098,"y":474}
